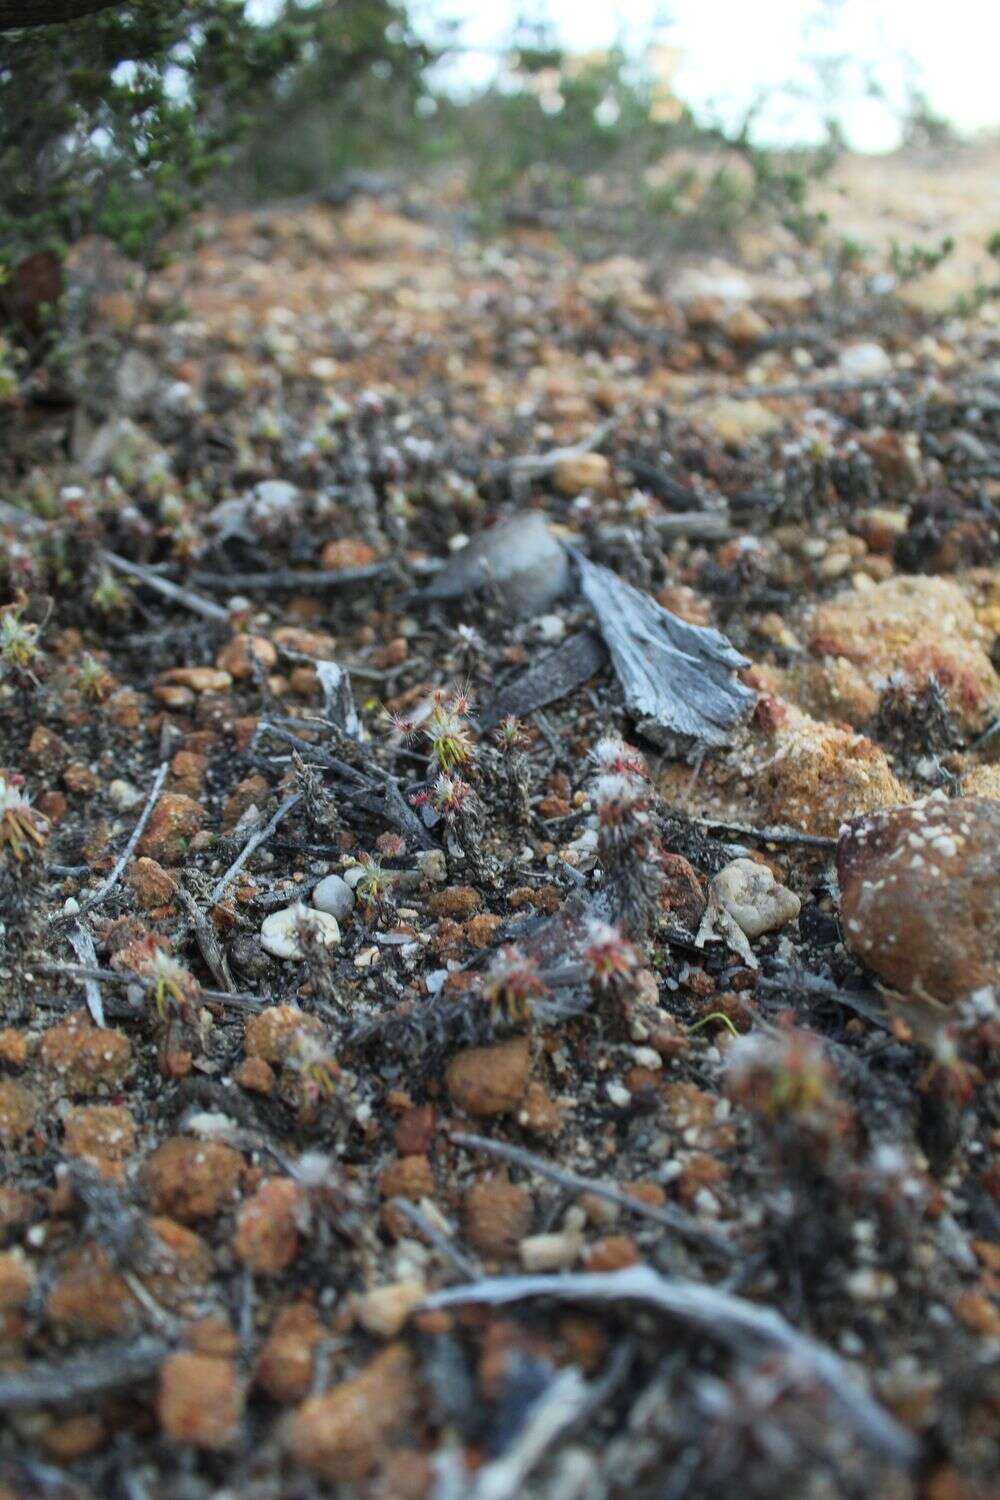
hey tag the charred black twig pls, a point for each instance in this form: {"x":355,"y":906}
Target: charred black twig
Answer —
{"x":288,"y":578}
{"x":768,"y":835}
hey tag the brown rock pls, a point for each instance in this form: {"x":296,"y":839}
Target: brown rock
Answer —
{"x":976,"y":1312}
{"x":252,"y":791}
{"x":340,"y":1435}
{"x":87,"y":1058}
{"x":198,"y":679}
{"x":103,"y":1134}
{"x":153,"y":885}
{"x":191,"y":1180}
{"x":410,"y":1177}
{"x":912,"y":629}
{"x":455,"y":901}
{"x":385,"y":1310}
{"x":180,"y":1260}
{"x":188,"y":770}
{"x":588,"y":471}
{"x":238,"y":655}
{"x":682,"y":893}
{"x":89,"y":1299}
{"x":267,"y":1227}
{"x":70,"y":1438}
{"x":126,"y":709}
{"x":347,"y":553}
{"x":200,"y":1400}
{"x":274,"y":1033}
{"x":539,"y":1112}
{"x":13,"y":1047}
{"x":497,"y":1215}
{"x":285,"y":1366}
{"x":613,"y":1253}
{"x":79,"y":778}
{"x":46,"y":751}
{"x":480,"y":931}
{"x":394,"y":653}
{"x":16,"y":1281}
{"x":175,"y":820}
{"x":920,"y":901}
{"x":815,"y":776}
{"x":487,"y":1081}
{"x":255,"y":1075}
{"x":415,"y":1130}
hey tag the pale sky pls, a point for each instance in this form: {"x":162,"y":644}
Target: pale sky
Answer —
{"x":735,"y":50}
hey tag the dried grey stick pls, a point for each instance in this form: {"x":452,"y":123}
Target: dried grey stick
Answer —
{"x":83,"y":946}
{"x":173,"y":591}
{"x":109,"y":1367}
{"x":107,"y":886}
{"x":674,"y":1219}
{"x":733,"y":1321}
{"x":254,"y":842}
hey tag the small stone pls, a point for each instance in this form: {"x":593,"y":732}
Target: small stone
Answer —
{"x":815,"y":776}
{"x":588,"y":471}
{"x":13,"y":1047}
{"x":864,"y":361}
{"x":415,"y":1130}
{"x":252,"y":791}
{"x":753,"y":898}
{"x":198,"y":679}
{"x":487,"y":1081}
{"x":46,"y":751}
{"x":520,"y":558}
{"x":274,"y":1033}
{"x":153,"y":885}
{"x":80,"y":778}
{"x":410,"y":1177}
{"x":200,"y":1400}
{"x":481,"y":931}
{"x":550,"y":1252}
{"x":89,"y":1298}
{"x":347,"y":553}
{"x":978,"y":1314}
{"x":267,"y":1227}
{"x":385,"y":1310}
{"x":175,"y":820}
{"x":285,"y":1367}
{"x":497,"y":1216}
{"x":736,"y":423}
{"x":432,"y":866}
{"x":539,"y":1112}
{"x":457,"y":901}
{"x":255,"y":1075}
{"x":17,"y":1279}
{"x":190,"y":1180}
{"x":181,"y":1262}
{"x":613,"y":1253}
{"x":341,"y":1435}
{"x":334,"y":896}
{"x":188,"y":770}
{"x":237,"y":656}
{"x":85,"y":1057}
{"x":869,"y":1284}
{"x":920,"y":901}
{"x":279,"y":933}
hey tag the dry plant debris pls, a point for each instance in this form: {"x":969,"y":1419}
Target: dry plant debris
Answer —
{"x":476,"y":690}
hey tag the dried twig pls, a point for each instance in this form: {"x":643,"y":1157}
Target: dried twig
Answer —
{"x":733,"y":1321}
{"x":238,"y":998}
{"x":176,"y":592}
{"x":464,"y":1264}
{"x":260,"y":836}
{"x":768,"y":835}
{"x":109,"y":1367}
{"x":531,"y":465}
{"x":288,"y":578}
{"x":82,"y":944}
{"x":674,"y":1219}
{"x":108,"y":885}
{"x":835,"y":386}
